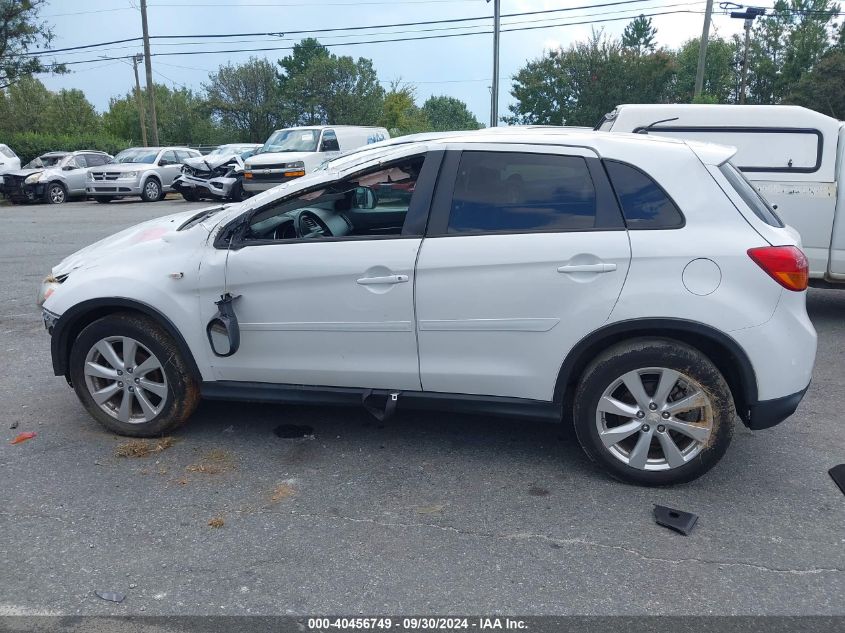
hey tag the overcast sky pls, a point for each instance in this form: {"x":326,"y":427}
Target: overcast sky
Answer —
{"x":456,"y":66}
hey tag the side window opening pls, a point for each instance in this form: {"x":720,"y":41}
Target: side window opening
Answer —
{"x":758,"y":204}
{"x":644,"y":203}
{"x":500,"y":192}
{"x":368,"y":204}
{"x":329,"y":142}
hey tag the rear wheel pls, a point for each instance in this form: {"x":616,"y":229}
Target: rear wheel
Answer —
{"x":131,"y":377}
{"x":654,"y":412}
{"x":55,"y":193}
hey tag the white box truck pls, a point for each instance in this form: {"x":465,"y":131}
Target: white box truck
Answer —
{"x":793,"y":156}
{"x":295,"y":151}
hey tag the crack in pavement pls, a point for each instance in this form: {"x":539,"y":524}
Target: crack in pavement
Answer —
{"x":524,"y":536}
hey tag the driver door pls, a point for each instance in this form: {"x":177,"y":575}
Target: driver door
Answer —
{"x":328,"y":310}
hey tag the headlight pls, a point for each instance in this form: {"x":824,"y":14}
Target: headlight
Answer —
{"x":89,"y":176}
{"x":33,"y":178}
{"x":298,"y":163}
{"x":127,"y":175}
{"x":247,"y":165}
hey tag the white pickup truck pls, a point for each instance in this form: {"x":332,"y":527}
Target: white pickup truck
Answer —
{"x":793,"y":156}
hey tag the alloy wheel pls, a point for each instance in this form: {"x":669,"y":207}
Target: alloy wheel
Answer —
{"x":654,"y":418}
{"x":151,"y":189}
{"x":57,"y":194}
{"x":125,"y":379}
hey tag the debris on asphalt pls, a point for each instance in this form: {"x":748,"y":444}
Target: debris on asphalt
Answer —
{"x":294,"y":431}
{"x":144,"y":448}
{"x":111,"y":596}
{"x":14,"y":425}
{"x":282,"y":491}
{"x":23,"y":437}
{"x":676,"y":520}
{"x":837,"y":473}
{"x":216,"y":522}
{"x":432,"y":509}
{"x":215,"y":461}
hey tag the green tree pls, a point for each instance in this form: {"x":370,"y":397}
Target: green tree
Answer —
{"x":70,"y":112}
{"x":183,"y":117}
{"x":244,"y":98}
{"x":720,"y":74}
{"x":448,"y":113}
{"x":400,"y":114}
{"x":578,"y":85}
{"x":26,"y":106}
{"x":640,"y":36}
{"x":320,"y":88}
{"x":21,"y":33}
{"x":823,"y":88}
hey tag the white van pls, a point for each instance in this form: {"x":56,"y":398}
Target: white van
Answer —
{"x":296,"y":151}
{"x":793,"y":156}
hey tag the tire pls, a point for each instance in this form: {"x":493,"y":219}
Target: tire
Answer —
{"x":237,"y":193}
{"x":103,"y":199}
{"x":152,"y":191}
{"x":190,"y":196}
{"x":630,"y":437}
{"x":162,"y":379}
{"x":55,"y":193}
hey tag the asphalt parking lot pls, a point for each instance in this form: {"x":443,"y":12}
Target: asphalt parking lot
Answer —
{"x":426,"y":513}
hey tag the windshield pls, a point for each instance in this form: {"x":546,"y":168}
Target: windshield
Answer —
{"x":44,"y":161}
{"x":291,"y":141}
{"x":136,"y":155}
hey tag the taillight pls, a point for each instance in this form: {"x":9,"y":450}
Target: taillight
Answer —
{"x":787,"y":265}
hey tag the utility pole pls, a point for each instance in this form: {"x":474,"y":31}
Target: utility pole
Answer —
{"x":140,"y":99}
{"x":702,"y":50}
{"x":494,"y":92}
{"x":744,"y":81}
{"x":748,"y":15}
{"x":148,"y":66}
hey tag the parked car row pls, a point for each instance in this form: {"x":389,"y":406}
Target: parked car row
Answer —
{"x":152,"y":172}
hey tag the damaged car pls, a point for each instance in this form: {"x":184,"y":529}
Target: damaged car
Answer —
{"x":52,"y":177}
{"x":217,"y":175}
{"x":631,"y":286}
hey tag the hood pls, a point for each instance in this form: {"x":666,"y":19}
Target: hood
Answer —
{"x":121,"y":167}
{"x":23,"y":173}
{"x":272,"y":158}
{"x":164,"y":228}
{"x":211,"y":162}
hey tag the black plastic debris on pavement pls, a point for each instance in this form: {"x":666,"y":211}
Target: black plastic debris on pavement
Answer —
{"x":837,"y":473}
{"x":111,"y":596}
{"x":676,"y":520}
{"x":293,"y":431}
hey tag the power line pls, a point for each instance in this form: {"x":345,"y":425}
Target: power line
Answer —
{"x":347,"y":28}
{"x":404,"y":39}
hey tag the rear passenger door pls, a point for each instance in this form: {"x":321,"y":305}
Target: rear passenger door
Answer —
{"x":525,"y":253}
{"x":169,"y":167}
{"x":74,"y":171}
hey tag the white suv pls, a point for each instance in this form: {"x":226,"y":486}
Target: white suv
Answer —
{"x":636,"y":286}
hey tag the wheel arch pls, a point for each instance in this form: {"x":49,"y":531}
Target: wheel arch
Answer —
{"x":76,"y":318}
{"x":730,"y":359}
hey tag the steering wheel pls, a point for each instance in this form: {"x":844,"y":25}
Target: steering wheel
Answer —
{"x":308,"y":225}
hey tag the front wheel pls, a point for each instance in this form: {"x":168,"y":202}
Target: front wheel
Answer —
{"x":190,"y":196}
{"x":152,"y":191}
{"x":131,"y":377}
{"x":55,"y":193}
{"x":654,"y":412}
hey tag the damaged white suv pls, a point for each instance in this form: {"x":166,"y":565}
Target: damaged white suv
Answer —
{"x":635,"y":286}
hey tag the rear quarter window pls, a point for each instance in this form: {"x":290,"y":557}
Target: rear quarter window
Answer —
{"x":750,"y":195}
{"x":644,"y":203}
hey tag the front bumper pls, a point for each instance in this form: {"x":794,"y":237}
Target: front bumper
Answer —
{"x":221,"y":187}
{"x":50,"y":319}
{"x":113,"y":188}
{"x":767,"y":413}
{"x":20,"y":192}
{"x":264,"y":179}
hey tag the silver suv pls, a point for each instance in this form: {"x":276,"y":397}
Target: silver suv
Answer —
{"x":52,"y":177}
{"x":147,"y":172}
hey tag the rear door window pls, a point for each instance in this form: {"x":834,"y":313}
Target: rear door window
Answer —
{"x":750,"y":196}
{"x":329,"y":143}
{"x":644,"y":203}
{"x":507,"y":192}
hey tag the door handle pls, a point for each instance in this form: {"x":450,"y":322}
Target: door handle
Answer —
{"x":587,"y":268}
{"x":387,"y":279}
